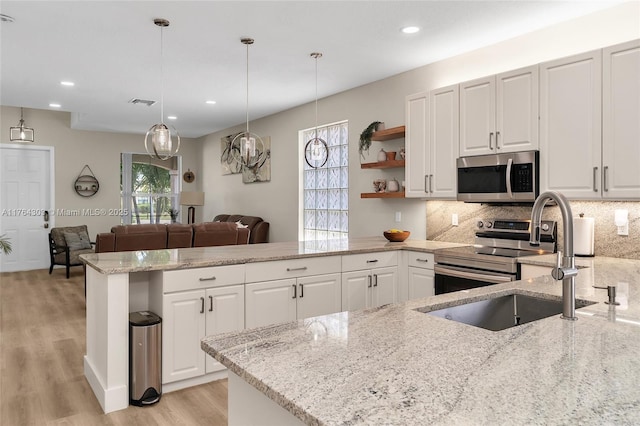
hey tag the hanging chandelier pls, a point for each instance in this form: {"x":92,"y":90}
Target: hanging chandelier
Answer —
{"x":21,"y":133}
{"x":316,"y":151}
{"x":247,"y":148}
{"x":162,"y":141}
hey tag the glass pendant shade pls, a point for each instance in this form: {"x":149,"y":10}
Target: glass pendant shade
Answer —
{"x":316,"y":150}
{"x":161,"y":142}
{"x":21,"y":133}
{"x":248,"y":149}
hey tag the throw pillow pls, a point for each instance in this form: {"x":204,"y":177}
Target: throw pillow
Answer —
{"x":77,"y":241}
{"x":241,"y":225}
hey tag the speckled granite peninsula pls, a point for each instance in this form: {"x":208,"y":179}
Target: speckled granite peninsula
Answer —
{"x":398,"y":366}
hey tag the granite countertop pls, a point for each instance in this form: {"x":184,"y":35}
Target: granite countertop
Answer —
{"x":397,"y":366}
{"x":158,"y":260}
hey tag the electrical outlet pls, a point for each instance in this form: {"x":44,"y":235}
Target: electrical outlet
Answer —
{"x":454,"y":219}
{"x":398,"y":217}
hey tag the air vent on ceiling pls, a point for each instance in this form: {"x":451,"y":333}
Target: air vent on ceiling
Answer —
{"x":146,"y":102}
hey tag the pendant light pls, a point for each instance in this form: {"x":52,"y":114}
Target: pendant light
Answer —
{"x":161,"y":141}
{"x":21,"y":133}
{"x":316,"y":151}
{"x":247,"y":148}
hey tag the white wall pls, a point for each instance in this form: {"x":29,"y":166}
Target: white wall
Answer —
{"x":277,"y":201}
{"x":100,"y":150}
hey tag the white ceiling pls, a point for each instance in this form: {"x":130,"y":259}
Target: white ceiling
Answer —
{"x":111,"y":50}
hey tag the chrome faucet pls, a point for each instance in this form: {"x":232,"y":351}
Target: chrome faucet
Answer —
{"x":565,"y":269}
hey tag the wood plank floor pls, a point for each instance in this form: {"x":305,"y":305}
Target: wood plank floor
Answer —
{"x":42,"y":344}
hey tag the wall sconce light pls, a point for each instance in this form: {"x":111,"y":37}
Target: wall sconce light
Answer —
{"x":622,"y":221}
{"x":191,"y":199}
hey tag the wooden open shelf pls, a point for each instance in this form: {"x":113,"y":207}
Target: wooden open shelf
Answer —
{"x":383,"y":164}
{"x":388,"y":134}
{"x":382,"y":195}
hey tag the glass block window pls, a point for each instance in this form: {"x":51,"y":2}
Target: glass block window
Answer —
{"x":325,"y":190}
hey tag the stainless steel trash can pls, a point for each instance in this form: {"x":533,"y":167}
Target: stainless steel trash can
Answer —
{"x":145,"y":358}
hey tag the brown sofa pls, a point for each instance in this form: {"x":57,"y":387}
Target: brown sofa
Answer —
{"x":258,"y":228}
{"x":153,"y":236}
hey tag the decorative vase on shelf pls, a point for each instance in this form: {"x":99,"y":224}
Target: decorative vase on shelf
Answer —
{"x":382,"y":155}
{"x":393,"y":185}
{"x":391,"y":155}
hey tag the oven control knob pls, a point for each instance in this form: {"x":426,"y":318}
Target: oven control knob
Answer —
{"x":545,"y":227}
{"x":480,"y":224}
{"x":489,"y":224}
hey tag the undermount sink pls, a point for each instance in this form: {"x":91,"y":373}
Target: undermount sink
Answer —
{"x":504,"y":312}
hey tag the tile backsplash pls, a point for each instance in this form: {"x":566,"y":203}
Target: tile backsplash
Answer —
{"x":607,"y":241}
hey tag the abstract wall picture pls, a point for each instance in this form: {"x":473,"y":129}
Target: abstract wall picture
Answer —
{"x":227,"y":163}
{"x":261,"y":172}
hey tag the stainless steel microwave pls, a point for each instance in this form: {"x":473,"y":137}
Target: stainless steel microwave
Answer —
{"x":499,"y":178}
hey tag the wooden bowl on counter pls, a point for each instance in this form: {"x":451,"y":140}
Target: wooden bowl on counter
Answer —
{"x":396,"y":237}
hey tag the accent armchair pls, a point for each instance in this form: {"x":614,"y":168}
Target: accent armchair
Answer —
{"x":66,"y":244}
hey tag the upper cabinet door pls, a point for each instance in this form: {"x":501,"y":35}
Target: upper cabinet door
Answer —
{"x":444,"y":125}
{"x":478,"y":117}
{"x":621,"y":121}
{"x":570,"y":125}
{"x":416,"y":141}
{"x":517,"y":110}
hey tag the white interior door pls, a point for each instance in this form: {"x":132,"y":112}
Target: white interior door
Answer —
{"x":26,"y":181}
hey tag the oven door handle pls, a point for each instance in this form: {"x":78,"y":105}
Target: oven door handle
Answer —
{"x":508,"y":177}
{"x":459,"y":273}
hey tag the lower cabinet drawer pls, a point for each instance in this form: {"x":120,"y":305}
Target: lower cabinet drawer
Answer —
{"x":292,"y":268}
{"x":421,"y":260}
{"x":358,"y":262}
{"x":199,"y":278}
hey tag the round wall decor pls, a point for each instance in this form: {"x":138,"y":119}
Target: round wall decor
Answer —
{"x":189,"y":176}
{"x":86,"y":185}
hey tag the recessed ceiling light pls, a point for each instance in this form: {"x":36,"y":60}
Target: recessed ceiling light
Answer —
{"x":410,"y":30}
{"x":211,"y":102}
{"x":172,"y":117}
{"x":55,"y":105}
{"x":67,"y":83}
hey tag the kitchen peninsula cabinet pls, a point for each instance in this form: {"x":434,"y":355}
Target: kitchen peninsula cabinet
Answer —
{"x":421,"y":275}
{"x":284,"y":291}
{"x":195,"y":303}
{"x":432,"y":144}
{"x":369,"y":280}
{"x":499,"y":113}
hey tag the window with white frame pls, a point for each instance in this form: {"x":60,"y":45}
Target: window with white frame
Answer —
{"x":325,"y":190}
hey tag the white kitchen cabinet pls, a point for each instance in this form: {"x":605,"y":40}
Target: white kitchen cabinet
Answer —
{"x":570,"y":125}
{"x":421,"y":275}
{"x":621,"y":121}
{"x":500,"y":113}
{"x":416,"y":145}
{"x":195,"y":303}
{"x":279,"y":301}
{"x":369,"y":280}
{"x":432,"y":144}
{"x":287,"y":290}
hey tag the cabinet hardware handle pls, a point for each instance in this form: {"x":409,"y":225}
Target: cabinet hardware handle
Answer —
{"x":497,"y":140}
{"x":369,"y":286}
{"x":491,"y":140}
{"x":372,"y":261}
{"x":422,"y":260}
{"x":426,"y":185}
{"x":375,"y":280}
{"x":207,"y":279}
{"x":301,"y":291}
{"x":210,"y":303}
{"x":295,"y":291}
{"x":202,"y":305}
{"x":605,"y":172}
{"x":595,"y":187}
{"x":303,"y":268}
{"x":430,"y":182}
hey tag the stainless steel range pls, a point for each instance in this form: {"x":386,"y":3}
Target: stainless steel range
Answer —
{"x":494,"y":257}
